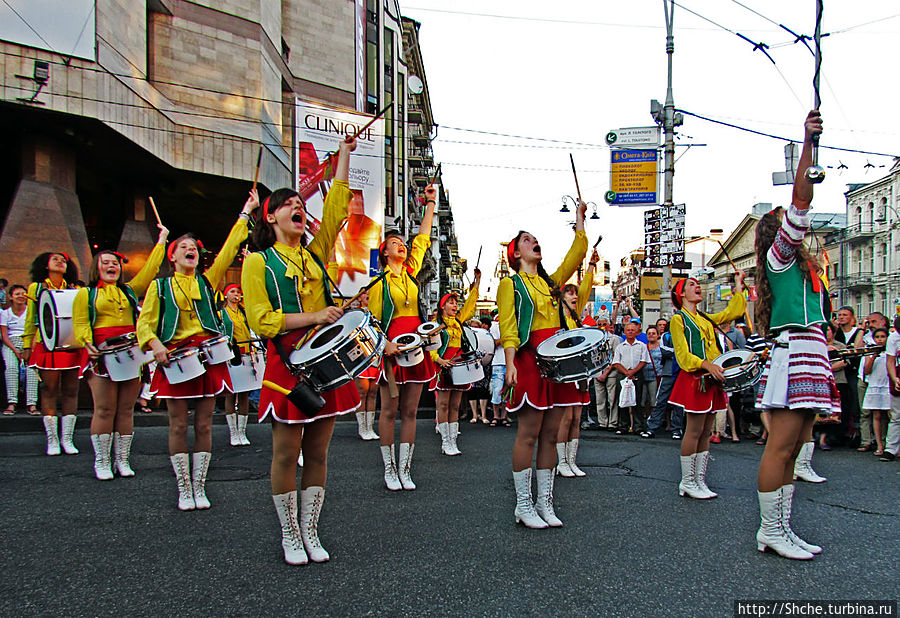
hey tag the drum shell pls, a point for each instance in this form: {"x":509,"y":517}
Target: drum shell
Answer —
{"x":743,"y":376}
{"x":485,"y":341}
{"x":184,"y":366}
{"x":431,"y":339}
{"x":55,"y":318}
{"x":248,"y":375}
{"x":465,"y":372}
{"x":577,"y":365}
{"x":217,"y":350}
{"x":124,"y":363}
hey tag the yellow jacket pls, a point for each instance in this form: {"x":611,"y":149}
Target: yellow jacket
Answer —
{"x":691,"y":362}
{"x":454,"y":324}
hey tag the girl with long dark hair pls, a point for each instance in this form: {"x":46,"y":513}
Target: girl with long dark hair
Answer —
{"x":60,"y":369}
{"x":179,"y":312}
{"x":286,"y":293}
{"x":108,"y":308}
{"x":529,"y":303}
{"x":797,"y":382}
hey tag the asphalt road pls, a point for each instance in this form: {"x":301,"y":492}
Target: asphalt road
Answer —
{"x":630,"y":546}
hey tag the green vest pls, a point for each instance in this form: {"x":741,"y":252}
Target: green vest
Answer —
{"x":794,"y":302}
{"x":284,"y":293}
{"x":170,"y":312}
{"x":524,"y":309}
{"x":387,"y":303}
{"x":129,"y":294}
{"x":693,"y":335}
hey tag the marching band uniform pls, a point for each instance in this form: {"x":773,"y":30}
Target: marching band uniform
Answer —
{"x":179,"y":311}
{"x":238,"y":330}
{"x":283,"y":280}
{"x":451,"y":347}
{"x":102,"y":312}
{"x":528,"y":316}
{"x":394,"y":302}
{"x":58,"y":360}
{"x":694,"y":340}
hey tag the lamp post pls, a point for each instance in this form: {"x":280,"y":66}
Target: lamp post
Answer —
{"x":565,"y":205}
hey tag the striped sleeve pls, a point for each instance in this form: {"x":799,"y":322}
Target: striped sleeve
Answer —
{"x":794,"y":226}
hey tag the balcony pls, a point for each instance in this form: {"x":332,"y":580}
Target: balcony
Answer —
{"x":420,"y":137}
{"x":859,"y":232}
{"x":414,"y":114}
{"x":421,"y":157}
{"x":863,"y":279}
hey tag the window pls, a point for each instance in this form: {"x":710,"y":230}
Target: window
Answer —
{"x":372,"y":71}
{"x":390,"y":198}
{"x":882,"y":257}
{"x":871,"y":212}
{"x":882,"y":209}
{"x":858,"y":218}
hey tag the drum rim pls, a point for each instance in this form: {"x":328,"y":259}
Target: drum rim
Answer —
{"x":571,"y":351}
{"x":183,"y":353}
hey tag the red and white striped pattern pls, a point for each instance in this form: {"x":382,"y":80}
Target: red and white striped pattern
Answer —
{"x":799,"y":376}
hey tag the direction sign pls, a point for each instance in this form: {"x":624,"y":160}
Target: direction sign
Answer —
{"x":629,"y":137}
{"x":633,"y":177}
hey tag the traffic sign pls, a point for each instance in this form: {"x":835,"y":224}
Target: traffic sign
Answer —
{"x":630,"y":137}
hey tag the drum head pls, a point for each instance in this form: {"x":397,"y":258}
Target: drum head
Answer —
{"x":407,"y":341}
{"x":735,"y":361}
{"x":570,"y":342}
{"x":427,"y":328}
{"x":469,"y":335}
{"x":47,"y":319}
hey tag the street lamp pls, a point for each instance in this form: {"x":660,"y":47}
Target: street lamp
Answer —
{"x":594,"y":205}
{"x":565,"y":207}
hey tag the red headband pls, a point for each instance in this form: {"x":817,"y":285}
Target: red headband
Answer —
{"x":122,"y":259}
{"x":65,"y":255}
{"x":445,"y":298}
{"x":170,"y":252}
{"x":231,"y":286}
{"x":266,"y":208}
{"x":510,"y":250}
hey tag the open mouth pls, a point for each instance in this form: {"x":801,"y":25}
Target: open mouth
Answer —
{"x":190,"y":256}
{"x":537,"y":249}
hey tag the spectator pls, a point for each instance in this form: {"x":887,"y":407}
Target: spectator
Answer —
{"x":606,"y":381}
{"x":498,"y":375}
{"x":875,"y":321}
{"x":852,"y":336}
{"x":629,"y":360}
{"x":480,"y":392}
{"x":892,"y":441}
{"x":878,"y":396}
{"x":663,"y":410}
{"x":12,"y":326}
{"x":4,"y":296}
{"x":652,"y":374}
{"x":757,"y":344}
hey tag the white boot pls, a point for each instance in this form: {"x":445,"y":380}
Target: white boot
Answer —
{"x":231,"y":419}
{"x":403,"y":466}
{"x":571,"y":452}
{"x":702,"y":464}
{"x":311,"y":500}
{"x":771,"y":532}
{"x":688,"y":483}
{"x":68,"y":433}
{"x":181,"y":466}
{"x":562,"y":466}
{"x":122,"y":446}
{"x":242,"y":429}
{"x":291,"y":541}
{"x":102,"y":468}
{"x":361,"y":426}
{"x":370,"y":426}
{"x":525,"y":513}
{"x":787,"y":502}
{"x":201,"y":467}
{"x":390,"y":468}
{"x":544,"y":502}
{"x":453,"y":435}
{"x":444,"y":430}
{"x":51,"y":425}
{"x":803,"y":465}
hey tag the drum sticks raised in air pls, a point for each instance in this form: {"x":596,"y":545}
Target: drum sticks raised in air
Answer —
{"x":575,"y":174}
{"x":155,"y":212}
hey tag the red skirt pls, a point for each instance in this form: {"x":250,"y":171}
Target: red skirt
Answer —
{"x":371,"y":373}
{"x":342,"y":400}
{"x":99,"y":336}
{"x":441,"y":381}
{"x":215,"y":380}
{"x":687,"y":394}
{"x":423,"y":372}
{"x":531,"y":387}
{"x":571,"y":395}
{"x":59,"y":360}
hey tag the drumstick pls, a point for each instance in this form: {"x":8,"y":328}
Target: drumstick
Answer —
{"x":371,"y":122}
{"x":575,"y":174}
{"x":478,"y":259}
{"x":599,"y":238}
{"x":353,"y":298}
{"x":437,"y":172}
{"x":258,"y":161}
{"x":155,"y":212}
{"x":730,"y":261}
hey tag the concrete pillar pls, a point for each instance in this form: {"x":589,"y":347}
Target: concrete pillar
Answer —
{"x":45,"y":214}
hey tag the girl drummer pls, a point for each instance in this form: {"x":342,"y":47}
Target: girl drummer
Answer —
{"x":104,"y":310}
{"x":367,"y":385}
{"x":797,"y":382}
{"x":574,"y":299}
{"x":286,"y":293}
{"x":698,"y":390}
{"x":394,"y":302}
{"x":529,"y":303}
{"x":60,"y":369}
{"x":447,"y":395}
{"x":234,"y":318}
{"x":179,"y":312}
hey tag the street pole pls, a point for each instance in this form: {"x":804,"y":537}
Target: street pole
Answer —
{"x":669,"y":128}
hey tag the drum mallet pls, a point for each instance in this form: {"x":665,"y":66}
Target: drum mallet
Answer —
{"x":736,"y":271}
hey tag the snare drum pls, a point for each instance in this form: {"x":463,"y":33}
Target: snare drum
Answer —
{"x":743,"y":369}
{"x":339,"y":352}
{"x":248,"y":375}
{"x":55,"y":318}
{"x":123,"y":357}
{"x":464,"y":372}
{"x":485,"y":342}
{"x":573,"y":355}
{"x":217,"y":350}
{"x":411,"y":348}
{"x":185,"y":364}
{"x":430,"y":332}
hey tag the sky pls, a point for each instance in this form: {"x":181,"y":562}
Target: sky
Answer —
{"x":568,"y":72}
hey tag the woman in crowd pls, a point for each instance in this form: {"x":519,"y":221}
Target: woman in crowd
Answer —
{"x":529,"y":303}
{"x":878,"y":395}
{"x":479,"y":394}
{"x":574,"y":300}
{"x":394,"y":302}
{"x":698,"y":386}
{"x":179,"y":312}
{"x":287,"y":294}
{"x":652,"y":370}
{"x":59,"y":369}
{"x":12,"y":327}
{"x":797,"y":380}
{"x":237,"y":405}
{"x":447,"y":396}
{"x":107,"y":308}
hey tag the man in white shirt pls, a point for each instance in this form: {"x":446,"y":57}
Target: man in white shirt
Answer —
{"x":498,"y":374}
{"x":629,"y":359}
{"x":892,"y":442}
{"x":606,"y":382}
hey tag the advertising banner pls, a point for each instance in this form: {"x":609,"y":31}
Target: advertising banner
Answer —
{"x":633,"y":177}
{"x":320,"y":130}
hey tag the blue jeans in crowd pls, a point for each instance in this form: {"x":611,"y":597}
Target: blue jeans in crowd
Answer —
{"x":655,"y":422}
{"x":498,"y":377}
